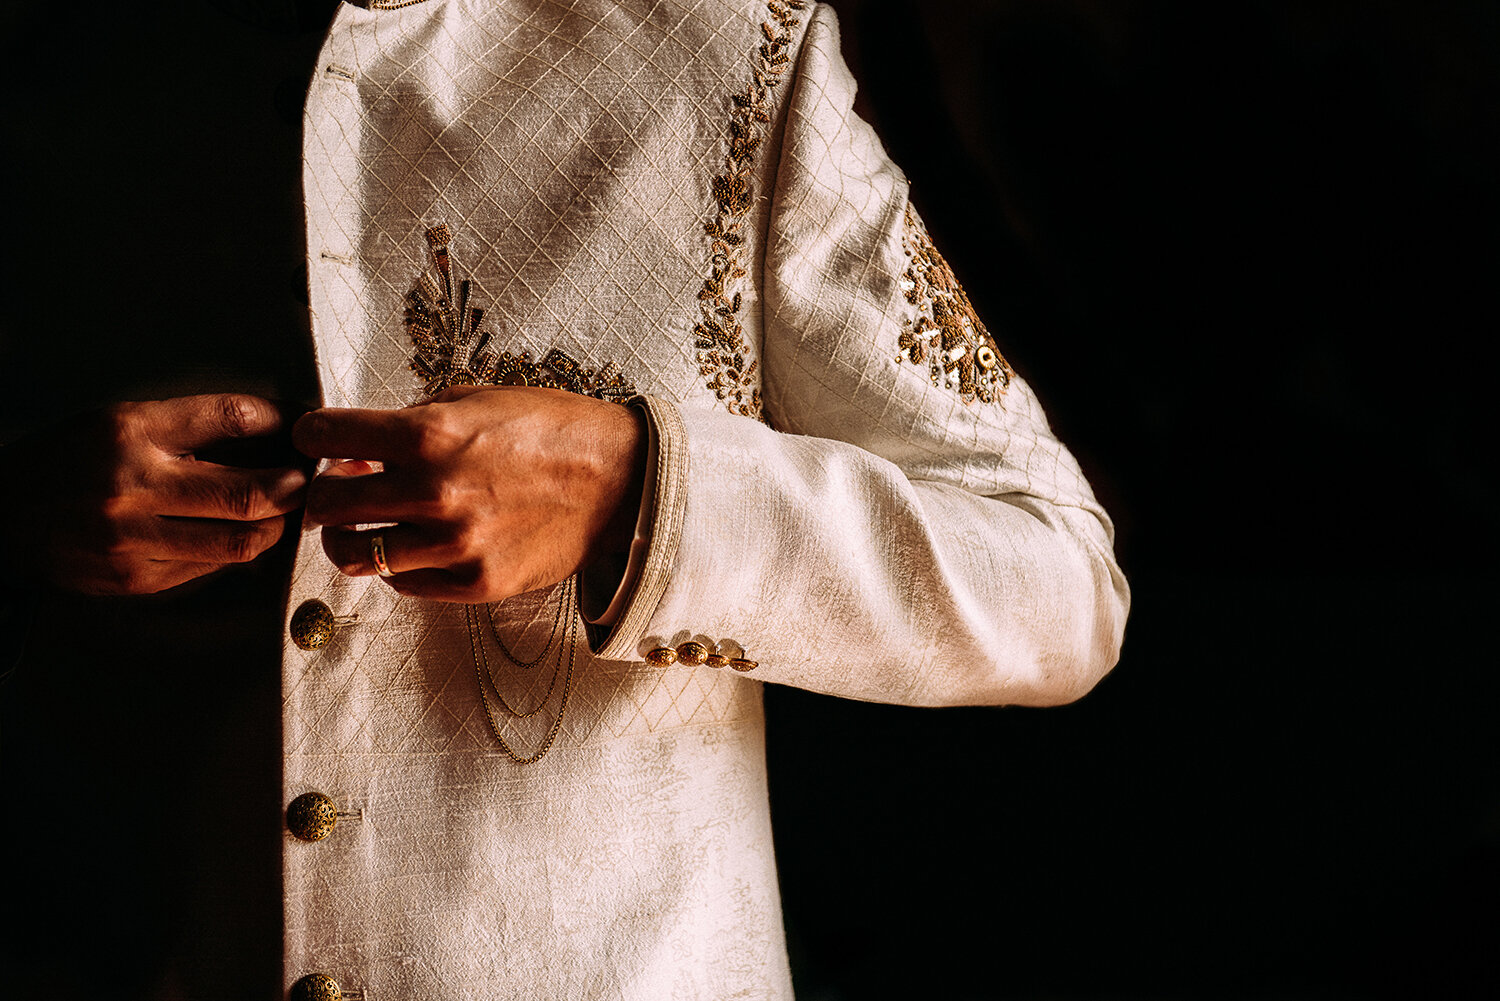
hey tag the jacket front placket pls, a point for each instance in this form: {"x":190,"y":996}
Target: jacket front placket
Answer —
{"x":334,"y":661}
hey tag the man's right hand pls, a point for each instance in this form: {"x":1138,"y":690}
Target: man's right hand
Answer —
{"x":121,"y":503}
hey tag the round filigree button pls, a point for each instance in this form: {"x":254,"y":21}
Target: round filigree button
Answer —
{"x":662,"y":656}
{"x":311,"y":816}
{"x":742,"y":665}
{"x":692,"y":653}
{"x":313,"y":624}
{"x":986,"y":357}
{"x":716,"y":660}
{"x":317,"y":987}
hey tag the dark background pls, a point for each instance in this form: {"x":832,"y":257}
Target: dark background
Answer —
{"x":1244,"y":251}
{"x":1246,"y":254}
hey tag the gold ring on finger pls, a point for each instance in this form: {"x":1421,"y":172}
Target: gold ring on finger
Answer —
{"x":377,"y":556}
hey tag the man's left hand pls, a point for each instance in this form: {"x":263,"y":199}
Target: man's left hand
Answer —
{"x":490,"y":491}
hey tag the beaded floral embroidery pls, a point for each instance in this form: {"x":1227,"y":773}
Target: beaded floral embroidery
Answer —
{"x":452,"y":349}
{"x":945,"y":335}
{"x":719,"y":336}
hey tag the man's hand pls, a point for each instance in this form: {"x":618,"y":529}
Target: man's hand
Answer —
{"x":491,"y":491}
{"x":120,"y":502}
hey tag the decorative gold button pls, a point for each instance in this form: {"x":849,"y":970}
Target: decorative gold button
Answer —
{"x":662,"y":656}
{"x":317,"y":987}
{"x":313,"y":624}
{"x":716,"y":660}
{"x":741,"y":664}
{"x":311,"y":817}
{"x":692,"y":653}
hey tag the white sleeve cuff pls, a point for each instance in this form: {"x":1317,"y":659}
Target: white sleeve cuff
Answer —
{"x":614,"y":633}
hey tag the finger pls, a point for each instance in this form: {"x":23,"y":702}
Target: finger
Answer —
{"x":186,"y":423}
{"x":139,"y":576}
{"x":407,"y":548}
{"x":158,"y":576}
{"x":434,"y":585}
{"x":371,"y":498}
{"x":192,"y":489}
{"x":201,"y":540}
{"x":333,"y":433}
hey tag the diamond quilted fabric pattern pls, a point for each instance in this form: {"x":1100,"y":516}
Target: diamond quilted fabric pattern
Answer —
{"x":570,"y":147}
{"x":606,"y":170}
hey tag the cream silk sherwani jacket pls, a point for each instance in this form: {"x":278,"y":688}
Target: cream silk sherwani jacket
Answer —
{"x":850,"y":489}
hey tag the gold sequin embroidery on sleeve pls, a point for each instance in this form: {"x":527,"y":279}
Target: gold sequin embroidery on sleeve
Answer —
{"x":946,"y":336}
{"x":719,"y":336}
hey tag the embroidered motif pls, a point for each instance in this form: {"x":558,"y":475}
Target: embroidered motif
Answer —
{"x":719,"y":336}
{"x":452,"y":350}
{"x":946,"y":335}
{"x":559,"y":370}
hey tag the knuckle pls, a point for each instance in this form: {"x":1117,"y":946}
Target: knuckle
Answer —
{"x":112,"y":509}
{"x":429,"y":498}
{"x":124,"y":578}
{"x":239,"y":545}
{"x":121,"y":430}
{"x":461,"y":543}
{"x":126,"y":413}
{"x":246,"y":542}
{"x":240,"y":501}
{"x":433,"y":435}
{"x":440,"y":497}
{"x":119,"y":418}
{"x":238,"y":416}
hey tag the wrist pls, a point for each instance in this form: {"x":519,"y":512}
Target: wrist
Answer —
{"x":629,"y":456}
{"x":607,"y":582}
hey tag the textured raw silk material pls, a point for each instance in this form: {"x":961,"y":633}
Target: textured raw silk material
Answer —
{"x":878,"y":537}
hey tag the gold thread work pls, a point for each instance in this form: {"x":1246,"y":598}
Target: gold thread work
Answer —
{"x":719,"y":336}
{"x":453,"y":348}
{"x":946,"y":336}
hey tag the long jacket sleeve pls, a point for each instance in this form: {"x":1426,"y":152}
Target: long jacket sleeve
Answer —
{"x":911,"y":531}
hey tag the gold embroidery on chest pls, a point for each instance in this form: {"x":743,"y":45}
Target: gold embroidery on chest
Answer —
{"x":946,"y":335}
{"x":453,"y":350}
{"x":719,"y":336}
